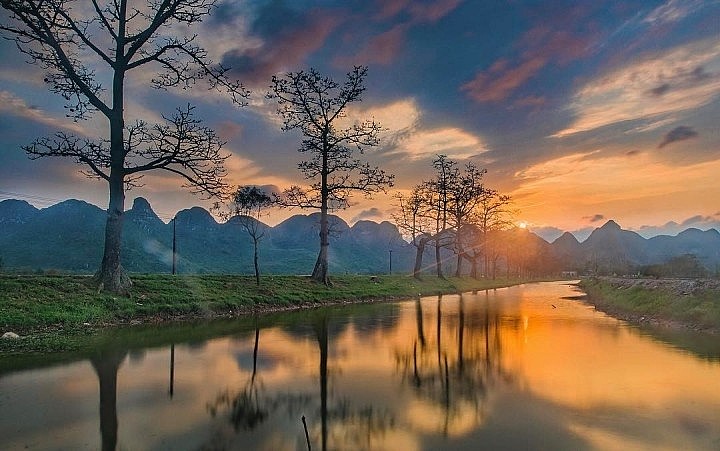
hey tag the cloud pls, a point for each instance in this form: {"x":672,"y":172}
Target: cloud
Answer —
{"x":582,"y":234}
{"x":286,"y":48}
{"x":584,"y":183}
{"x":550,"y":42}
{"x":405,"y":134}
{"x":397,"y":117}
{"x":594,"y":218}
{"x":673,"y":228}
{"x":672,"y":11}
{"x":380,"y":49}
{"x":547,"y":233}
{"x":661,"y":84}
{"x":454,"y":142}
{"x":418,"y":12}
{"x":371,"y":213}
{"x":497,"y":83}
{"x":12,"y":104}
{"x":680,"y":133}
{"x":383,"y":48}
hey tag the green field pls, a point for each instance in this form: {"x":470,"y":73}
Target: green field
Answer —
{"x":662,"y":301}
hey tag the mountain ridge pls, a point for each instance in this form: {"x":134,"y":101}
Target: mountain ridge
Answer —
{"x":69,"y":236}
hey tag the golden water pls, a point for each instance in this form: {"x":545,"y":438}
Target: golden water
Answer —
{"x":517,"y":368}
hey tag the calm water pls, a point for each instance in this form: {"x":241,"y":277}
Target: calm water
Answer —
{"x":517,"y":368}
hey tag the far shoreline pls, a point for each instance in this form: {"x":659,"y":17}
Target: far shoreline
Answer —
{"x":676,"y":304}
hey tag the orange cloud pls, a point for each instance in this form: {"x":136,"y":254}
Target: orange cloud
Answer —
{"x":561,"y":190}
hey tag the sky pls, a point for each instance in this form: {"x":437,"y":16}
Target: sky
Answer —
{"x":582,"y":111}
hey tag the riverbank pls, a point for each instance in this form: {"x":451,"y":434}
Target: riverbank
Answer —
{"x":48,"y":312}
{"x":677,"y":303}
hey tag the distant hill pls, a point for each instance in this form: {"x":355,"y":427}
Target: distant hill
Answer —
{"x":610,"y":249}
{"x":69,"y":236}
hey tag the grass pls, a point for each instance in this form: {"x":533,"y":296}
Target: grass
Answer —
{"x":56,"y":312}
{"x":698,"y":310}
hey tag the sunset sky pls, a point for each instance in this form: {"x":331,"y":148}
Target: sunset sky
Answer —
{"x":582,"y":111}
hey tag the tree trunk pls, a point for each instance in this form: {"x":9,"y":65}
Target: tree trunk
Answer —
{"x":438,"y":260}
{"x":255,"y":261}
{"x":320,"y":272}
{"x":473,"y":267}
{"x":111,"y":276}
{"x":458,"y":269}
{"x":420,"y":250}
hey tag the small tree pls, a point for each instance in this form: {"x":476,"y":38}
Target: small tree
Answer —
{"x":315,"y":105}
{"x":248,"y":205}
{"x":82,"y":44}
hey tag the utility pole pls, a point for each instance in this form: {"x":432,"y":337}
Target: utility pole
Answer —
{"x":174,"y":246}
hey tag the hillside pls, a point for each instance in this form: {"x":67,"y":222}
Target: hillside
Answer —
{"x":68,"y":236}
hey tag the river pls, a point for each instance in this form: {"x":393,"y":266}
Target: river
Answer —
{"x":525,"y":367}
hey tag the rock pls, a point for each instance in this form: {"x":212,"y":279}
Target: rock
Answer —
{"x":10,"y":336}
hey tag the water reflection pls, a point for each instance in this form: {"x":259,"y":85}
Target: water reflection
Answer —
{"x":458,"y":375}
{"x":106,"y":365}
{"x":521,"y":368}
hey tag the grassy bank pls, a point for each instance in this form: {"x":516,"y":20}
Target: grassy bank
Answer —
{"x":55,"y":306}
{"x":675,"y":302}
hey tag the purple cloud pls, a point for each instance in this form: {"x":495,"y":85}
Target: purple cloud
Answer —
{"x":680,"y":133}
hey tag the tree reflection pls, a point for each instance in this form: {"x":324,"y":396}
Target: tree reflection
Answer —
{"x":106,"y":365}
{"x":330,"y":419}
{"x":467,"y":357}
{"x":353,"y":427}
{"x":246,"y":409}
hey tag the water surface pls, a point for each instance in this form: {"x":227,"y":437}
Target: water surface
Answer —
{"x":517,"y":368}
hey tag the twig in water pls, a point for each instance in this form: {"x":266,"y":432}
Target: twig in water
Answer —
{"x":307,"y":436}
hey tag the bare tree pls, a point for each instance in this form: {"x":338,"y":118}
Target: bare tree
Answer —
{"x":315,"y":105}
{"x":248,"y":205}
{"x":412,"y":218}
{"x":465,"y":193}
{"x":80,"y":44}
{"x":438,"y":190}
{"x":492,"y":215}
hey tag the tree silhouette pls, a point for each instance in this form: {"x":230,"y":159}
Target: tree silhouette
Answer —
{"x":316,"y":105}
{"x":248,"y":204}
{"x":71,"y":42}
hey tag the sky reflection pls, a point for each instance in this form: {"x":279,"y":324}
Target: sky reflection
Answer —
{"x":514,"y":368}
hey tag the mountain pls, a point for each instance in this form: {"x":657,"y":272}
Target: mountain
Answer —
{"x":610,"y":249}
{"x":69,"y":236}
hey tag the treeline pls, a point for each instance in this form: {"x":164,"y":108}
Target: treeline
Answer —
{"x":454,"y":211}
